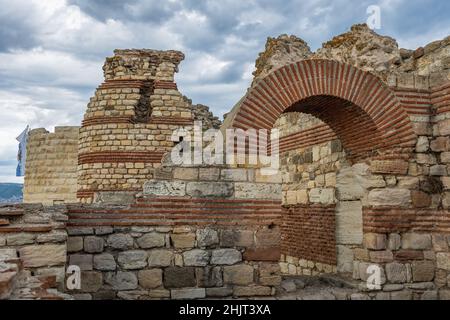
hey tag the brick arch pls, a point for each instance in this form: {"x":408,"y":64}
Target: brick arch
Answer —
{"x":309,"y":85}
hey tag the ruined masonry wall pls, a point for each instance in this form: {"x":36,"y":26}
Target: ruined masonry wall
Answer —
{"x":51,"y":167}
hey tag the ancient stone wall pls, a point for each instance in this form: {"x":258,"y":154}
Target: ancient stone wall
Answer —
{"x":51,"y":167}
{"x":193,"y":232}
{"x":32,"y":252}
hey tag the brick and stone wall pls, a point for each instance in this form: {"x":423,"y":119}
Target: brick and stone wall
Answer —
{"x":32,"y":251}
{"x":51,"y":167}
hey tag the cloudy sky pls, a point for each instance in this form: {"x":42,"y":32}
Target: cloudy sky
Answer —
{"x":52,"y":51}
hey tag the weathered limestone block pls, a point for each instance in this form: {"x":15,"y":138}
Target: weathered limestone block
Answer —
{"x":219,"y":292}
{"x":349,"y":186}
{"x":54,"y":236}
{"x":91,"y":281}
{"x":423,"y":271}
{"x":443,"y":260}
{"x":233,"y":174}
{"x":209,"y":174}
{"x":43,"y":255}
{"x":267,"y":237}
{"x":122,"y":280}
{"x":225,"y":256}
{"x":349,"y":222}
{"x":151,"y":240}
{"x":185,"y":173}
{"x":416,"y":241}
{"x":160,"y":258}
{"x":150,"y":279}
{"x":207,"y":237}
{"x":210,"y":189}
{"x":344,"y":259}
{"x":323,"y":196}
{"x":179,"y":277}
{"x":19,"y":239}
{"x":236,"y":238}
{"x":120,"y":241}
{"x":130,"y":260}
{"x":257,"y":191}
{"x":251,"y":291}
{"x":183,"y":240}
{"x":104,"y":262}
{"x":187,"y":294}
{"x":74,"y":244}
{"x":239,"y":274}
{"x":389,"y":197}
{"x":165,"y":188}
{"x":196,"y":258}
{"x":93,"y":244}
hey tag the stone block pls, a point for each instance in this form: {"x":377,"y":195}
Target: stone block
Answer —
{"x":74,"y":244}
{"x":416,"y":241}
{"x":207,"y":237}
{"x":238,"y":274}
{"x":349,"y":222}
{"x":54,"y":236}
{"x":151,"y":240}
{"x":104,"y":262}
{"x":183,"y":240}
{"x":322,"y":196}
{"x":257,"y":191}
{"x":160,"y":258}
{"x":209,"y":174}
{"x":233,"y":174}
{"x":122,"y":280}
{"x":20,"y":239}
{"x":423,"y":271}
{"x":396,"y":272}
{"x":394,"y":241}
{"x":120,"y":241}
{"x":46,"y":255}
{"x":348,"y":185}
{"x":150,"y":279}
{"x":91,"y":281}
{"x":179,"y":277}
{"x":188,"y":294}
{"x":267,"y":237}
{"x":344,"y":259}
{"x":236,"y":238}
{"x":93,"y":244}
{"x":225,"y":256}
{"x":219,"y":292}
{"x":252,"y":291}
{"x":389,"y":197}
{"x":84,"y":261}
{"x":443,"y":260}
{"x":210,"y":189}
{"x":131,"y":260}
{"x":165,"y":188}
{"x":185,"y":173}
{"x":196,"y":258}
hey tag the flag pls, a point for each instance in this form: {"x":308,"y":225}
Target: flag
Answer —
{"x":22,"y":153}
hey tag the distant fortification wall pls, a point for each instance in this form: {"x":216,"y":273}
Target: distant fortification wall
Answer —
{"x":51,"y":168}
